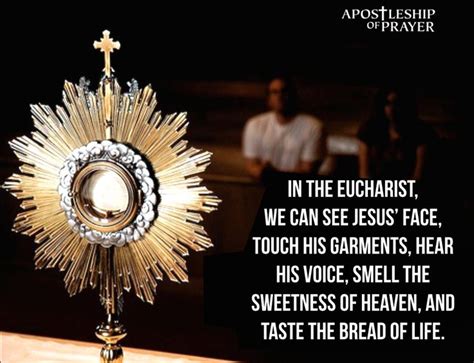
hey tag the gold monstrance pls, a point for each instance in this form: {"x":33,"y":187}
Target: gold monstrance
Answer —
{"x":110,"y":192}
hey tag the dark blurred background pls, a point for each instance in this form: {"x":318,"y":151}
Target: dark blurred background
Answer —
{"x":214,"y":62}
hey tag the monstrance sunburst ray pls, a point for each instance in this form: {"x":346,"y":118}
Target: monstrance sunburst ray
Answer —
{"x":175,"y":230}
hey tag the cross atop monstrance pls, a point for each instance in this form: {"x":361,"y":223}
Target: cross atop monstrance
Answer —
{"x":107,"y":46}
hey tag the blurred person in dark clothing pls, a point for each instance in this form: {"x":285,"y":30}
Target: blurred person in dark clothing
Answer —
{"x":283,"y":140}
{"x":394,"y":142}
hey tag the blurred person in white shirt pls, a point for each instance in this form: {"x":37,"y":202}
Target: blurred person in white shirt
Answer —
{"x":283,"y":139}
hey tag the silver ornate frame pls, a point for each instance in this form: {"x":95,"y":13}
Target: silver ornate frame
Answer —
{"x":119,"y":153}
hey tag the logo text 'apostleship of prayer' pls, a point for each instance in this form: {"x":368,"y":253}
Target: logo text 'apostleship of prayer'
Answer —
{"x":394,"y":20}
